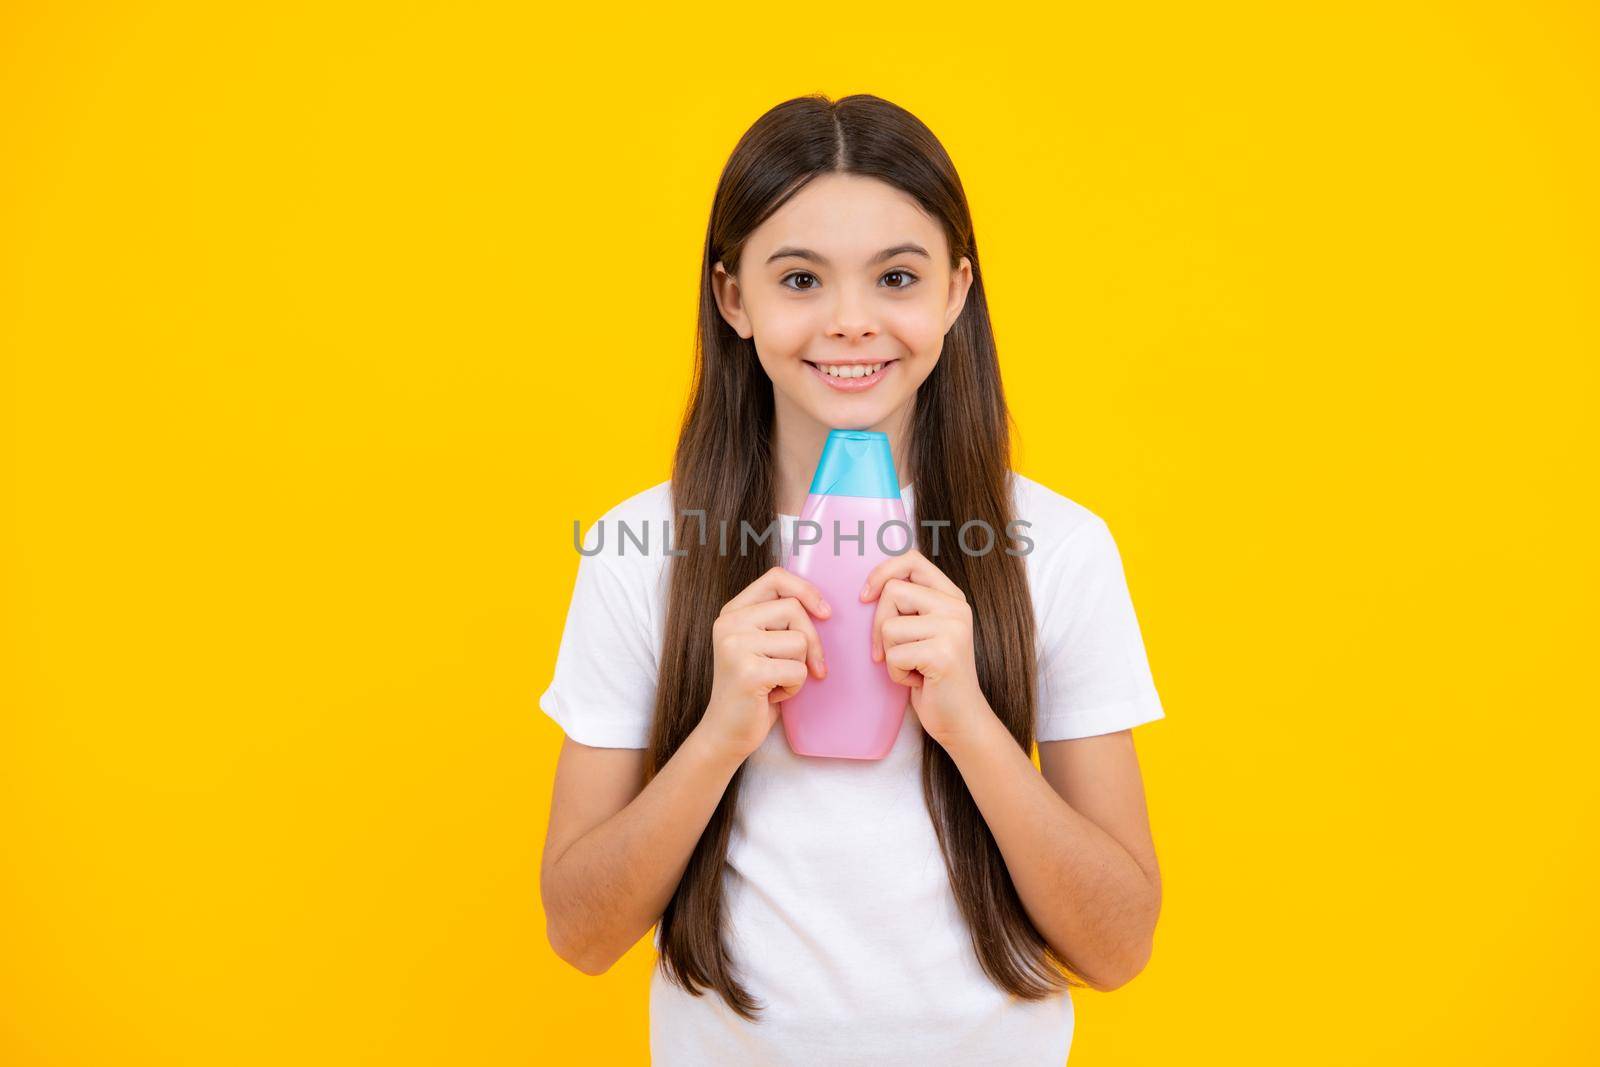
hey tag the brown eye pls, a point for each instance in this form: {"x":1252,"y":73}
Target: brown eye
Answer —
{"x":800,"y":274}
{"x":903,"y":274}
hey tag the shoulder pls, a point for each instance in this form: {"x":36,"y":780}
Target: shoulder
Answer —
{"x":629,"y":540}
{"x":641,"y":511}
{"x":1058,"y":526}
{"x":645,"y":505}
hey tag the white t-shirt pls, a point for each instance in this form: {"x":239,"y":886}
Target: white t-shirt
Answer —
{"x":841,"y":917}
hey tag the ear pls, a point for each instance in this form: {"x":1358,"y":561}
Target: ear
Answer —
{"x":960,"y":282}
{"x":725,"y":287}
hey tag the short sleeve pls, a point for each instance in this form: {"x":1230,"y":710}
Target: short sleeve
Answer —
{"x":604,"y":685}
{"x":1094,"y":676}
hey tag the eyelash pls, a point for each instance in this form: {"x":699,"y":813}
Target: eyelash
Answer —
{"x":805,"y":273}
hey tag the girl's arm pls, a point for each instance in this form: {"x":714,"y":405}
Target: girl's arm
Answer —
{"x":1076,"y":841}
{"x":616,"y":848}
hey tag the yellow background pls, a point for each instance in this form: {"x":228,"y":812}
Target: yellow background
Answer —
{"x":320,"y":326}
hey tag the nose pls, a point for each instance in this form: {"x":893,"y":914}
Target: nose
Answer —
{"x":852,"y":318}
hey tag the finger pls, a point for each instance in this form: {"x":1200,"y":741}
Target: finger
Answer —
{"x":777,"y":583}
{"x":904,"y":628}
{"x":907,"y":663}
{"x":913,"y":566}
{"x":900,"y":597}
{"x":787,"y":675}
{"x":780,"y":644}
{"x":785,"y":614}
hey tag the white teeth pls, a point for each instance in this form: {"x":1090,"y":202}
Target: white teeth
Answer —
{"x":852,"y":370}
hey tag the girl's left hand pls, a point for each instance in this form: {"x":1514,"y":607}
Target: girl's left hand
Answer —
{"x":923,"y":631}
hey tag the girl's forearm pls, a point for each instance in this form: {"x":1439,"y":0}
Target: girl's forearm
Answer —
{"x":612,"y":884}
{"x":1085,"y":893}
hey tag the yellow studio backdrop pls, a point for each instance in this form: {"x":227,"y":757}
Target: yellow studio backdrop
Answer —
{"x":320,"y":324}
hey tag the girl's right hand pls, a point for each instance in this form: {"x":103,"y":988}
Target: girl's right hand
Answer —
{"x":763,"y":643}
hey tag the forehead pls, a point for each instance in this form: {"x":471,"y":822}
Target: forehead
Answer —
{"x":847,"y":218}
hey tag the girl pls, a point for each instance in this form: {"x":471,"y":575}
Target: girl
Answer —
{"x":932,"y":907}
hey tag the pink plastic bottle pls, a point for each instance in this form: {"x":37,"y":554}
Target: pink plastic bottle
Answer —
{"x":856,"y":711}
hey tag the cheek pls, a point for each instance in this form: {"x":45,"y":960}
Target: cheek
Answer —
{"x":919,"y":328}
{"x":781,"y":334}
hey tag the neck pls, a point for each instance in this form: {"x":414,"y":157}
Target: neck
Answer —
{"x":797,"y":445}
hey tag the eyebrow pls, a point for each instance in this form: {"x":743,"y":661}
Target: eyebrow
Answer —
{"x":888,"y":253}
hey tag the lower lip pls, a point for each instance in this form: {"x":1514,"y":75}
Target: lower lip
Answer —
{"x":853,"y":385}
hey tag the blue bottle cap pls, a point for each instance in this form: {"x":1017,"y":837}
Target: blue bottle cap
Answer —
{"x":856,"y":463}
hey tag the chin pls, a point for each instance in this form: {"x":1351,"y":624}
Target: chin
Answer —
{"x":851,"y":417}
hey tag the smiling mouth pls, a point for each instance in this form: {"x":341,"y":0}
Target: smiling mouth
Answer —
{"x":850,"y":375}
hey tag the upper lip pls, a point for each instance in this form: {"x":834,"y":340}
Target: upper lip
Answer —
{"x":846,"y":362}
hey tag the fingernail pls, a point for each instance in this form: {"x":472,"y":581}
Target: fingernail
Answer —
{"x":864,"y":590}
{"x":822,"y":605}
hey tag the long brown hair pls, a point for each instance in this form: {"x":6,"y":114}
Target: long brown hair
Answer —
{"x":959,"y":459}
